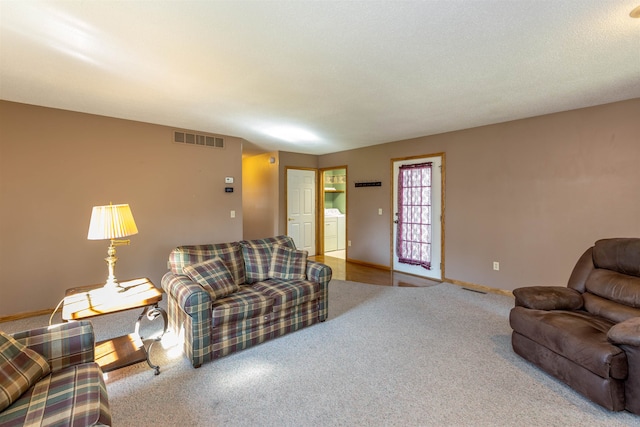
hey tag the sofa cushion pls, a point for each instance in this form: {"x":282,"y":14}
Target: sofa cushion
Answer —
{"x":214,"y":276}
{"x":231,"y":254}
{"x":578,"y":336}
{"x":241,"y":305}
{"x":288,"y":293}
{"x":608,"y":309}
{"x":287,"y":263}
{"x":620,"y":254}
{"x":20,"y":368}
{"x":257,"y":256}
{"x":614,"y":286}
{"x":76,"y":393}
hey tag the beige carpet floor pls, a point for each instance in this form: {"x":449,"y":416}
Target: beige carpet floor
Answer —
{"x":387,"y":356}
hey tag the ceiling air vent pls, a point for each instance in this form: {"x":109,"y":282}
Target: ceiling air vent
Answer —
{"x":193,"y":138}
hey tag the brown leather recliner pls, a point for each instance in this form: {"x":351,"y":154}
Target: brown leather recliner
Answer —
{"x":588,"y":334}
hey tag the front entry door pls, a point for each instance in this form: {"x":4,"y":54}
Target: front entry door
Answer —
{"x":301,"y":208}
{"x":417,"y":228}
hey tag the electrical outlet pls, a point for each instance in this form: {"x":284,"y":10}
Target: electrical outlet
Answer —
{"x":496,"y":265}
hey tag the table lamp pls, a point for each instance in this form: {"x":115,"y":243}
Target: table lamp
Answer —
{"x":112,"y":222}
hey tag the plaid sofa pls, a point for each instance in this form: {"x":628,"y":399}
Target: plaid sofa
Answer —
{"x":261,"y":307}
{"x":74,"y":394}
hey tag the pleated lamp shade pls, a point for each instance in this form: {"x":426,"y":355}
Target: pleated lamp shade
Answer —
{"x":111,"y":222}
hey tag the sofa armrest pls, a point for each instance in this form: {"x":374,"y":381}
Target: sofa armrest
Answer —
{"x":626,"y":332}
{"x":318,"y":272}
{"x":190,"y":296}
{"x":63,"y":345}
{"x":189,"y":310}
{"x":548,"y":298}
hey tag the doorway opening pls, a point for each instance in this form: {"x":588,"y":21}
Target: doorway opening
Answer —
{"x":418,"y":203}
{"x":334,"y":212}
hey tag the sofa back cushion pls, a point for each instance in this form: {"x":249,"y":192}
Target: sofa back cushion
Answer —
{"x":615,"y":287}
{"x":618,"y":295}
{"x":612,"y":288}
{"x":611,"y":310}
{"x":230,"y":253}
{"x":621,"y":255}
{"x":257,"y":256}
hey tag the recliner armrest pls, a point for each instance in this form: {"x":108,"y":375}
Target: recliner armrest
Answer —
{"x":548,"y":298}
{"x":626,"y":332}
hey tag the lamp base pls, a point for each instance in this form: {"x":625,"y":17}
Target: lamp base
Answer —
{"x":113,"y":286}
{"x":112,"y":282}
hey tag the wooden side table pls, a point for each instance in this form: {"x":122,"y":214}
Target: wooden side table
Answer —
{"x":91,"y":301}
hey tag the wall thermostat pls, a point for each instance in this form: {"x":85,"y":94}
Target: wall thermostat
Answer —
{"x":228,"y":180}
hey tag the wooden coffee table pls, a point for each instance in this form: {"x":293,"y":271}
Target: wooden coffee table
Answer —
{"x":91,"y":301}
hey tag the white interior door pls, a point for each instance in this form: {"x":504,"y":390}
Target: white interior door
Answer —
{"x":417,"y":215}
{"x":301,"y":208}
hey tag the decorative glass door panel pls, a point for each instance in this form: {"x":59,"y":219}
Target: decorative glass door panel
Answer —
{"x":413,"y":245}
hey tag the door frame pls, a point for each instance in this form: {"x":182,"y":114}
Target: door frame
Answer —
{"x":320,"y":221}
{"x":286,"y":199}
{"x":442,"y":208}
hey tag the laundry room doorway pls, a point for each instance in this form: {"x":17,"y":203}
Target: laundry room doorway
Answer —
{"x":334,"y":212}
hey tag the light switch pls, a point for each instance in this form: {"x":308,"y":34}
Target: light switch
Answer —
{"x":233,"y":214}
{"x":380,"y":211}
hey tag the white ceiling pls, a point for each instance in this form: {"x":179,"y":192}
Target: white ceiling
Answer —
{"x":342,"y":74}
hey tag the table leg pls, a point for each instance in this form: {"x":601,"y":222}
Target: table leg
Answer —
{"x":152,"y":312}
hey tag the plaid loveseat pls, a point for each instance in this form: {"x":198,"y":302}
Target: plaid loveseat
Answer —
{"x":74,"y":393}
{"x":260,"y":298}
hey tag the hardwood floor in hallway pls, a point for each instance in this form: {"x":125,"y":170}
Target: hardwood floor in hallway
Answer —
{"x":344,"y":270}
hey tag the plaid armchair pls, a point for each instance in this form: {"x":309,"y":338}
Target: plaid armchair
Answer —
{"x":74,"y":393}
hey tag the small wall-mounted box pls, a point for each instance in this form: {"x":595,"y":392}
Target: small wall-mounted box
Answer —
{"x":228,"y":180}
{"x":228,"y":189}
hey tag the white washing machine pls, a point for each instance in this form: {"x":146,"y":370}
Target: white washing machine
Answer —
{"x":334,"y":230}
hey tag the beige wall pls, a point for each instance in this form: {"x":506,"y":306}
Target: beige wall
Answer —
{"x":264,"y":196}
{"x":532,"y":194}
{"x":260,"y":199}
{"x":55,"y":165}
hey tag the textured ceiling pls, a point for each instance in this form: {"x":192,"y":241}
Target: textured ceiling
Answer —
{"x":319,"y":76}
